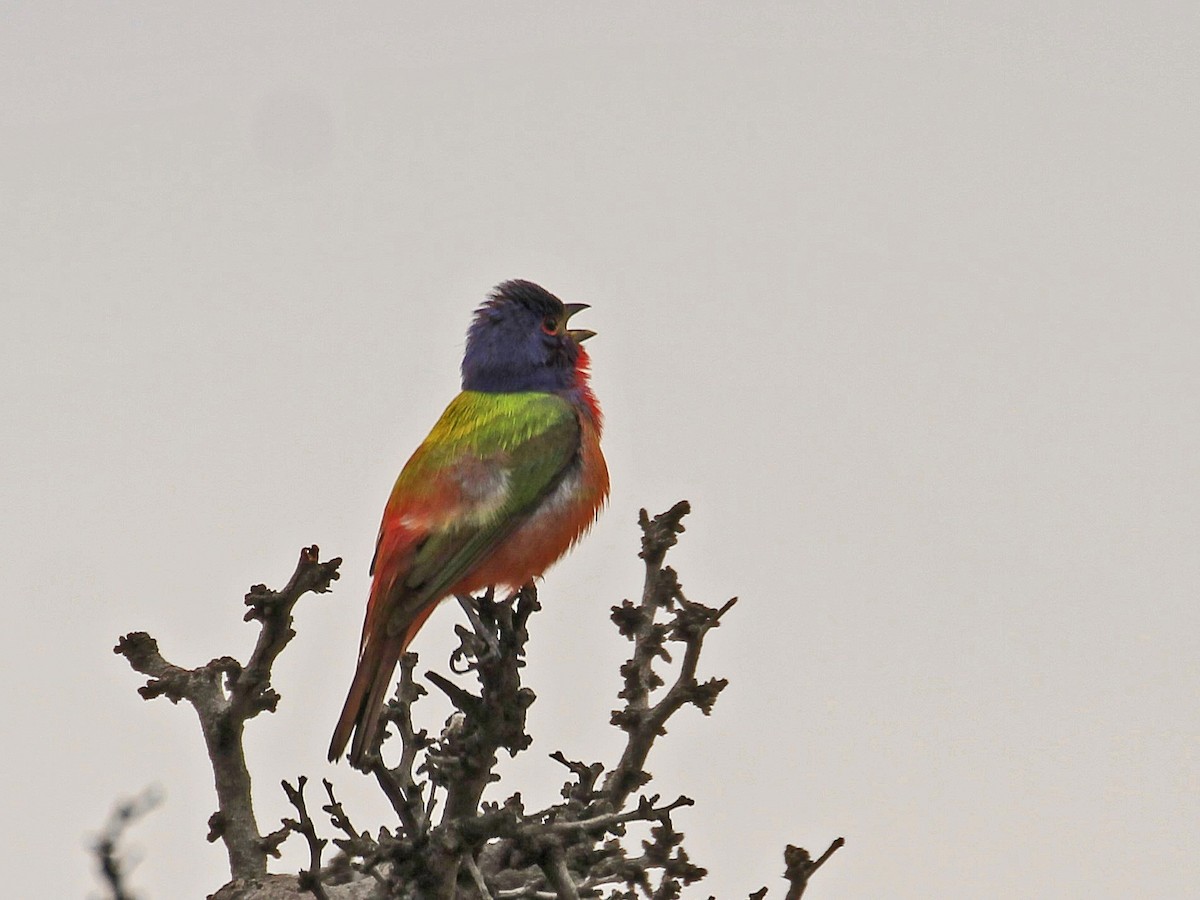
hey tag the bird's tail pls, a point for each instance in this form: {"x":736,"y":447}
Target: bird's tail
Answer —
{"x":369,"y":689}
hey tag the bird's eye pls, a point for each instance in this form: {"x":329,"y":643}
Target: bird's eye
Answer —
{"x":550,"y":325}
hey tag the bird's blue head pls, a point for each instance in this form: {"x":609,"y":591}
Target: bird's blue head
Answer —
{"x":519,"y":341}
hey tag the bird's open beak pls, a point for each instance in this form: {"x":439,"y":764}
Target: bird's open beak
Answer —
{"x":578,"y":335}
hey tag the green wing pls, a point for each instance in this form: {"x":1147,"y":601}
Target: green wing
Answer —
{"x":485,"y":467}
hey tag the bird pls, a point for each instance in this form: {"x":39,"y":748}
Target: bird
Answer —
{"x":509,"y":478}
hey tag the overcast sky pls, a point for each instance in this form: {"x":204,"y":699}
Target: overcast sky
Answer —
{"x":903,"y":298}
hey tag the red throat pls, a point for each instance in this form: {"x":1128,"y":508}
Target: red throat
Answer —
{"x":583,"y":366}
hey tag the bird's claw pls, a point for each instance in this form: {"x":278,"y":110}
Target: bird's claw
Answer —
{"x":484,"y":634}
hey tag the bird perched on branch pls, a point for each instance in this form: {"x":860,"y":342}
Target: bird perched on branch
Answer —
{"x":507,"y":481}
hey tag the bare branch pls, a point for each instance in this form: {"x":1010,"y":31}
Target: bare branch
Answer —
{"x":559,"y":875}
{"x":799,"y":866}
{"x":399,"y":783}
{"x":583,"y":791}
{"x":476,"y":876}
{"x":356,"y":844}
{"x":251,"y":693}
{"x":643,"y":722}
{"x":112,"y":868}
{"x":463,"y":758}
{"x":645,"y":812}
{"x":473,"y":848}
{"x":225,"y":695}
{"x":308,"y":879}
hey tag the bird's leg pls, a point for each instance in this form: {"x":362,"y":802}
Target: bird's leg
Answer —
{"x":486,"y":634}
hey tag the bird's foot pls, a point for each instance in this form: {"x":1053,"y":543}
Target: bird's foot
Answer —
{"x":485,"y":646}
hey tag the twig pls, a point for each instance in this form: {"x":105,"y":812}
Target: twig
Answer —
{"x":464,"y":757}
{"x":586,"y":774}
{"x":645,"y":812}
{"x":307,"y":879}
{"x":394,"y":791}
{"x":355,"y":844}
{"x":643,"y":722}
{"x":398,"y":782}
{"x":565,"y":837}
{"x":497,"y":851}
{"x":112,"y":869}
{"x":476,"y":876}
{"x":225,"y":695}
{"x":559,"y":875}
{"x":799,"y":866}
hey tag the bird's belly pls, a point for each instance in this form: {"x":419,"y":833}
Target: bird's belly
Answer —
{"x":537,"y":544}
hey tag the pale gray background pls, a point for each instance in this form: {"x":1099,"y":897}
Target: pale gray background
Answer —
{"x":903,"y":299}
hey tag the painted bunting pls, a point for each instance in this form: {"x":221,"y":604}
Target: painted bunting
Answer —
{"x":510,"y":477}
